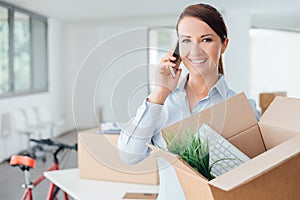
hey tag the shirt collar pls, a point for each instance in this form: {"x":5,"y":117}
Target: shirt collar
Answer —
{"x":220,"y":86}
{"x":182,"y":82}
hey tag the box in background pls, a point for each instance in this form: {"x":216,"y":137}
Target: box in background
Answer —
{"x":98,"y":158}
{"x":265,"y":99}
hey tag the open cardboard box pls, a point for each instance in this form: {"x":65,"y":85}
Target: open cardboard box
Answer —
{"x":98,"y":158}
{"x":273,"y":144}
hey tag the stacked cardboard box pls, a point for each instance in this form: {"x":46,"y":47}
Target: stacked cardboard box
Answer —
{"x":265,"y":99}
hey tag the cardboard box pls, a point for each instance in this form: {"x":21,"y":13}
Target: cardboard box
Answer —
{"x":98,"y":158}
{"x":265,"y":99}
{"x":273,"y":144}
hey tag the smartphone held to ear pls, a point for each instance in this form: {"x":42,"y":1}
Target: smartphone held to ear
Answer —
{"x":176,"y":54}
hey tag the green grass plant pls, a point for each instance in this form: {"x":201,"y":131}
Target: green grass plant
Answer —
{"x":192,"y":150}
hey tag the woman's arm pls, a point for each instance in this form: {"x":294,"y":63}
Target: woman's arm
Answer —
{"x":253,"y":106}
{"x":140,"y":130}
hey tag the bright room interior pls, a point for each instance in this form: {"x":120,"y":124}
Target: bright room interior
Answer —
{"x":97,"y":59}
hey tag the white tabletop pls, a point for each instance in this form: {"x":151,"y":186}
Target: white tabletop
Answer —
{"x":82,"y":189}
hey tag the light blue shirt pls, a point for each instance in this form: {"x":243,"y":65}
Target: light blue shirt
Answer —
{"x":151,"y":118}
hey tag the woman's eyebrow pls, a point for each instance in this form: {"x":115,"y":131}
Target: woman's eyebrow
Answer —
{"x":187,"y":36}
{"x":202,"y":36}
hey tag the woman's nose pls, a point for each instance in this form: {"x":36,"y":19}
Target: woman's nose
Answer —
{"x":196,"y":47}
{"x":192,"y":48}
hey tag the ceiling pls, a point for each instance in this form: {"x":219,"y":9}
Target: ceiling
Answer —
{"x":82,"y":10}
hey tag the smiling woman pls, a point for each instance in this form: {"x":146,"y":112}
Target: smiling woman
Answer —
{"x":202,"y":37}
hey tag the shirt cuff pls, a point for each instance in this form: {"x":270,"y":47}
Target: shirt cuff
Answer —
{"x":149,"y":114}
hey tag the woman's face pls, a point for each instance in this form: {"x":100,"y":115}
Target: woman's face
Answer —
{"x":200,"y":47}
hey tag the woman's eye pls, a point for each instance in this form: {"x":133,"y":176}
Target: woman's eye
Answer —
{"x":185,"y":41}
{"x":207,"y":40}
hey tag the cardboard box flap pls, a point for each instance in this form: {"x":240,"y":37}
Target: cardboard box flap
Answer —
{"x":228,"y":118}
{"x":258,"y":165}
{"x":283,"y":113}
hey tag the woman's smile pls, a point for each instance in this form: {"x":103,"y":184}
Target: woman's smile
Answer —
{"x":198,"y":61}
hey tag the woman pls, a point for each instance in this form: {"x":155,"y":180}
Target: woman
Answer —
{"x":202,"y":37}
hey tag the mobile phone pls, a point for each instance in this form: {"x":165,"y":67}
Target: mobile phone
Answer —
{"x":176,"y":54}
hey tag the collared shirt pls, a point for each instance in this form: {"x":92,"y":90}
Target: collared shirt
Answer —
{"x":151,"y":118}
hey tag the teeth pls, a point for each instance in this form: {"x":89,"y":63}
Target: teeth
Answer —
{"x":198,"y":61}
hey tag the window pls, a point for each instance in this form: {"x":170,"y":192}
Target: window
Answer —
{"x":22,"y":62}
{"x":4,"y":56}
{"x":23,"y":51}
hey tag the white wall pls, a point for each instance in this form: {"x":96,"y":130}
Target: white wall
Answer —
{"x":275,"y":65}
{"x":237,"y":53}
{"x":79,"y":41}
{"x":117,"y":88}
{"x":57,"y":68}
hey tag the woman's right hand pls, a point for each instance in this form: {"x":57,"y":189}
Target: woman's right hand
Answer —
{"x":164,"y":82}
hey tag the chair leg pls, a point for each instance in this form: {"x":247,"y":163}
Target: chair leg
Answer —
{"x":28,"y":140}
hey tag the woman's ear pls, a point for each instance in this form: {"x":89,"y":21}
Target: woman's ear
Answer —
{"x":224,"y":45}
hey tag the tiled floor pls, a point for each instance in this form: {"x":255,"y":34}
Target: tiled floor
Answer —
{"x":11,"y":178}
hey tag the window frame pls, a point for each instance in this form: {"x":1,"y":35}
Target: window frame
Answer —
{"x":11,"y":10}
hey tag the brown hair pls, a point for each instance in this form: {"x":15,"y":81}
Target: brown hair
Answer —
{"x":212,"y":18}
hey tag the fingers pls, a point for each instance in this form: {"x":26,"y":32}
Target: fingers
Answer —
{"x":168,"y":67}
{"x":164,"y":69}
{"x":168,"y":64}
{"x":167,"y":61}
{"x":169,"y":71}
{"x":178,"y":73}
{"x":168,"y":57}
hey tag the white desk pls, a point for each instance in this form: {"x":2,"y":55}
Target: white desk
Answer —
{"x":85,"y":189}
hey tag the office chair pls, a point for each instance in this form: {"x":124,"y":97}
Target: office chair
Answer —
{"x":45,"y":120}
{"x":25,"y":121}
